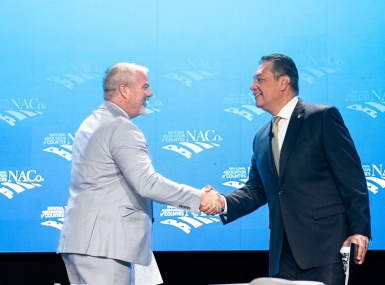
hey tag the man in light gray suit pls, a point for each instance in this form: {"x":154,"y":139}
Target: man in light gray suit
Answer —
{"x":108,"y":220}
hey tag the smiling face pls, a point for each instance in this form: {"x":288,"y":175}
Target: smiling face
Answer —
{"x":140,"y":93}
{"x":265,"y":88}
{"x":269,"y":92}
{"x":132,"y":99}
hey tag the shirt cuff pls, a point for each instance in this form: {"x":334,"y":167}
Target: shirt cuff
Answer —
{"x":224,"y":212}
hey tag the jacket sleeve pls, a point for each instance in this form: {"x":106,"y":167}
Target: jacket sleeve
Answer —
{"x":129,"y":150}
{"x":345,"y":165}
{"x":246,"y":199}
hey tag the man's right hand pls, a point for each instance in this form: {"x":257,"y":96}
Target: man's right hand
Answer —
{"x":212,"y":202}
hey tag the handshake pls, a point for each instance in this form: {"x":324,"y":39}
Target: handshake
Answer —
{"x":212,"y":202}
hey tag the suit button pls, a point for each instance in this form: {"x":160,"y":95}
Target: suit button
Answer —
{"x":280,"y":192}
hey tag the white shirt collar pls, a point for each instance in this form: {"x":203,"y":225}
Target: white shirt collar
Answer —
{"x":288,"y":109}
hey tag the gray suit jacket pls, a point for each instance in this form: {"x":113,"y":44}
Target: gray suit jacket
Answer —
{"x":109,"y":211}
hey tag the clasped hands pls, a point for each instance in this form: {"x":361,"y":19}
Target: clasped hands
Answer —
{"x":212,"y":202}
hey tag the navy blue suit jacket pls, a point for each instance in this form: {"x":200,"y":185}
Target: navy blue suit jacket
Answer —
{"x":320,"y":197}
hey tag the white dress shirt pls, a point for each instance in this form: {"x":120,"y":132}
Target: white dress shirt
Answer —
{"x":285,"y":115}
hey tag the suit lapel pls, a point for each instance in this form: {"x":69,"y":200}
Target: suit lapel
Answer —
{"x":291,"y":134}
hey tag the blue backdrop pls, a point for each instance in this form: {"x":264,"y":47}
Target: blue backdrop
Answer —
{"x":202,"y":56}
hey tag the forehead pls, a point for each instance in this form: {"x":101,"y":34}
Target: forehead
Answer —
{"x":263,"y":69}
{"x":141,"y":77}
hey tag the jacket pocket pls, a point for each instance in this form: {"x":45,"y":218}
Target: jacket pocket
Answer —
{"x":327,"y":211}
{"x":303,"y":144}
{"x":128,"y":210}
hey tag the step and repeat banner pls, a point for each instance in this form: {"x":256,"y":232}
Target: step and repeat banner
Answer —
{"x":202,"y":56}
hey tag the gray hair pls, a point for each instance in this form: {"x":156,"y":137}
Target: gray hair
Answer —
{"x":120,"y":73}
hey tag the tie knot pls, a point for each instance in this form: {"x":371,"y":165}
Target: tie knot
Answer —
{"x":277,"y":119}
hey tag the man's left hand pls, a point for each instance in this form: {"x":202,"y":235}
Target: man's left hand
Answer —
{"x":363,"y":244}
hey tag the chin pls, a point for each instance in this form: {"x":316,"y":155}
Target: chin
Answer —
{"x":144,"y":111}
{"x":258,"y":104}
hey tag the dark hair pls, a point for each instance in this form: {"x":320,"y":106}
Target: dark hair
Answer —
{"x":283,"y":65}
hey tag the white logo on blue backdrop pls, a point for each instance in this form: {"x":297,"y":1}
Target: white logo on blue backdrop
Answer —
{"x":15,"y":110}
{"x":319,"y":67}
{"x":80,"y":73}
{"x":195,"y":71}
{"x":59,"y":144}
{"x":243,"y":105}
{"x":153,"y":105}
{"x":54,"y":216}
{"x":375,"y":177}
{"x":235,"y":177}
{"x":184,"y":220}
{"x":18,"y":181}
{"x":370,"y":102}
{"x":187,"y":143}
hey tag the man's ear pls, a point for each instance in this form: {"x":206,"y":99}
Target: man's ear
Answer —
{"x":124,"y":91}
{"x":284,"y":82}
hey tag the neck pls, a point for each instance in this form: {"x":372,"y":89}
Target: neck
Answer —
{"x":121,"y":104}
{"x":282,"y":103}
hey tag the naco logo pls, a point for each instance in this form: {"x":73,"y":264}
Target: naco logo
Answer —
{"x":375,"y":177}
{"x":14,"y":110}
{"x":153,"y":106}
{"x":370,"y":102}
{"x":235,"y":177}
{"x":244,"y":105}
{"x":80,"y":73}
{"x":59,"y":144}
{"x":186,"y":143}
{"x":195,"y":71}
{"x":12,"y":182}
{"x":54,"y":216}
{"x":318,"y":67}
{"x":184,"y":220}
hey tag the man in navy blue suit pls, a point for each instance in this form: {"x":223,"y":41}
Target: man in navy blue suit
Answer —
{"x":316,"y":190}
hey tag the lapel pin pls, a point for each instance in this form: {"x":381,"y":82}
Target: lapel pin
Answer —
{"x":299,"y":116}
